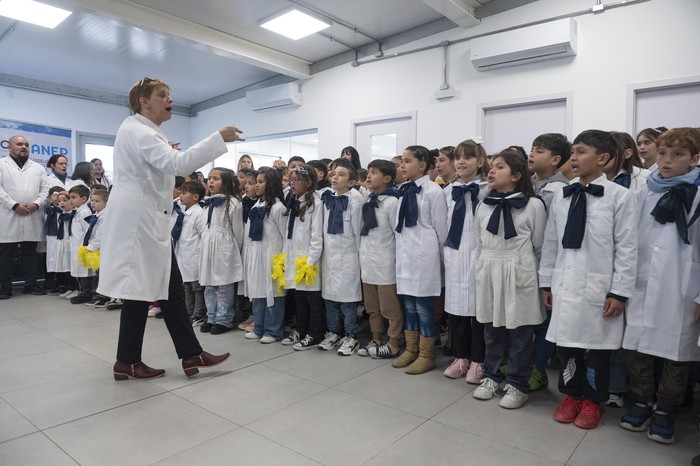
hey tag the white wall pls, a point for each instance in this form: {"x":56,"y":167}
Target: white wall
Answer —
{"x":79,"y":115}
{"x":655,"y":40}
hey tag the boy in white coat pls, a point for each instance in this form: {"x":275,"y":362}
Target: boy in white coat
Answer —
{"x":662,"y":312}
{"x":340,"y":262}
{"x":587,"y":272}
{"x":186,"y":242}
{"x":79,"y":195}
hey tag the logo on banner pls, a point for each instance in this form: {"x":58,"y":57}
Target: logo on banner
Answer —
{"x":44,"y":141}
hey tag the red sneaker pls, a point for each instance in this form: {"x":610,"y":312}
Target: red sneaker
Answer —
{"x":568,"y":410}
{"x":589,"y":415}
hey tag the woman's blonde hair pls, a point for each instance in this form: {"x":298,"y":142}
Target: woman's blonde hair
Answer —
{"x":143,"y":88}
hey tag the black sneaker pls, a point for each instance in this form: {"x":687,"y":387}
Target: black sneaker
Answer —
{"x":661,"y":428}
{"x":637,"y":418}
{"x":205,"y":327}
{"x":307,"y":342}
{"x":58,"y":290}
{"x":82,"y":298}
{"x":101,"y":301}
{"x":114,"y":304}
{"x":218,"y":329}
{"x":197,"y":321}
{"x":35,"y":290}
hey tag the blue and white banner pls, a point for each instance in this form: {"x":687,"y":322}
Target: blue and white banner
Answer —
{"x":44,"y":141}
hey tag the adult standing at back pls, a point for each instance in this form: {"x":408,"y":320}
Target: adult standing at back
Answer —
{"x":59,"y":172}
{"x":137,"y":264}
{"x":98,"y":174}
{"x":24,"y":188}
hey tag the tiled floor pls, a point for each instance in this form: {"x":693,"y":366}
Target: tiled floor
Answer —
{"x":267,"y":405}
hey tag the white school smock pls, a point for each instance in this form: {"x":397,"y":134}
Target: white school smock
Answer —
{"x":136,"y":245}
{"x":258,"y":255}
{"x":78,"y":228}
{"x":460,"y":264}
{"x":638,"y":178}
{"x":580,"y":279}
{"x":17,"y":185}
{"x":95,"y":242}
{"x":419,"y":248}
{"x":545,"y":189}
{"x":307,"y":240}
{"x":660,"y":314}
{"x":341,"y":257}
{"x":187,"y":247}
{"x":220,"y":261}
{"x":507,"y":293}
{"x":378,"y":248}
{"x":51,"y":244}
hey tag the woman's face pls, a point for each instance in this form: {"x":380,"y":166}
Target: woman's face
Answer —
{"x":346,"y":155}
{"x":159,"y":106}
{"x":61,"y":166}
{"x":97,"y":166}
{"x":245,"y":162}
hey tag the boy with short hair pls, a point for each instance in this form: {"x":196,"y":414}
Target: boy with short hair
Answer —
{"x":323,"y":184}
{"x":661,"y":314}
{"x":79,"y":195}
{"x":89,"y":252}
{"x":549,"y":152}
{"x":587,"y":273}
{"x":186,"y":242}
{"x":378,"y":261}
{"x":340,"y":282}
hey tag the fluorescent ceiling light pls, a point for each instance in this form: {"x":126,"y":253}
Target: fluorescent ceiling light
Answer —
{"x":33,"y":12}
{"x":295,"y":24}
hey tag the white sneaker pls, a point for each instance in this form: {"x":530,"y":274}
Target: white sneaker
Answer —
{"x":486,"y":390}
{"x":365,"y":350}
{"x":266,"y":339}
{"x":73,"y":294}
{"x":292,"y":338}
{"x":65,"y":294}
{"x":152,"y":311}
{"x":330,"y":341}
{"x":251,"y":336}
{"x":348,"y":346}
{"x":615,"y":401}
{"x":513,"y":398}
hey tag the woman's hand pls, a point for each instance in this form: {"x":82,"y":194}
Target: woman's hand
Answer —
{"x":231,"y":134}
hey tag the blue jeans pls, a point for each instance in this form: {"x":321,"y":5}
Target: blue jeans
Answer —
{"x":219,"y":301}
{"x":268,"y":320}
{"x":542,"y":349}
{"x":349,"y":310}
{"x":419,"y":315}
{"x":618,"y":371}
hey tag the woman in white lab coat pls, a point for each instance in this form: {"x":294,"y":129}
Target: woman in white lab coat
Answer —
{"x":59,"y":172}
{"x":137,"y":263}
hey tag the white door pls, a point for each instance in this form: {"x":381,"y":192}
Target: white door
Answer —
{"x":384,"y":137}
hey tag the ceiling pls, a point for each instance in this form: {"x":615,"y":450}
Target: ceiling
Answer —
{"x":209,"y":52}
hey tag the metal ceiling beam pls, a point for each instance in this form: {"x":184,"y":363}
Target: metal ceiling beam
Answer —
{"x":78,"y":92}
{"x":154,"y":20}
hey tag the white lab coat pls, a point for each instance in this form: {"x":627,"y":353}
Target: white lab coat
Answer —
{"x":661,"y":313}
{"x":341,"y":259}
{"x":187,"y":247}
{"x":220,"y":261}
{"x":28,"y":184}
{"x":580,"y":279}
{"x":507,"y":293}
{"x":258,"y":255}
{"x":419,"y":248}
{"x":95,"y":242}
{"x":78,"y":228}
{"x":306,"y":240}
{"x":460,"y":264}
{"x":136,"y":245}
{"x":54,"y":181}
{"x":378,"y":248}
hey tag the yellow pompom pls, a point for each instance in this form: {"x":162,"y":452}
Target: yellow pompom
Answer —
{"x":90,"y":260}
{"x":305,"y":272}
{"x":278,"y":270}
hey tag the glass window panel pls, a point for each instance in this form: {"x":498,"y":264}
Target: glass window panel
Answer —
{"x":383,"y":146}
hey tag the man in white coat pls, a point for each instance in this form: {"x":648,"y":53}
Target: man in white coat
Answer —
{"x":137,"y":263}
{"x":24,"y":188}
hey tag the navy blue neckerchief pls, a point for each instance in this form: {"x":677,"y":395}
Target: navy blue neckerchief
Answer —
{"x":408,"y":211}
{"x":336,"y":205}
{"x":369,"y":214}
{"x":576,"y":219}
{"x":505,"y":205}
{"x":459,"y":213}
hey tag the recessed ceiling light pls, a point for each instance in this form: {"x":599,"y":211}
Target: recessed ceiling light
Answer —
{"x":33,"y":12}
{"x":295,"y":24}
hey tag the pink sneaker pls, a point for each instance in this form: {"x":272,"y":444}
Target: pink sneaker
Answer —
{"x":475,"y":373}
{"x":457,"y":369}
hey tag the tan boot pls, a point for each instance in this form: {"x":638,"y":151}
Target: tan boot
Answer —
{"x":426,"y":357}
{"x":411,"y":352}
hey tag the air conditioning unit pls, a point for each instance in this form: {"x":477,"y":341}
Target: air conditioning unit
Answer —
{"x":534,"y":43}
{"x":274,"y":97}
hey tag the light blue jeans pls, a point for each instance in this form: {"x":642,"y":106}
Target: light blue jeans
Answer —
{"x":268,"y":320}
{"x":219,"y":301}
{"x":419,"y":315}
{"x":349,"y":311}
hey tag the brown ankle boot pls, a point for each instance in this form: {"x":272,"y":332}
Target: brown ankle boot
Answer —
{"x":411,"y":352}
{"x":426,"y":357}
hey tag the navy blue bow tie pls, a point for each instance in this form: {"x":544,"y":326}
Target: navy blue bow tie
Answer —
{"x":92,"y":220}
{"x":408,"y":211}
{"x":62,"y":219}
{"x":211,"y":204}
{"x":336,"y":205}
{"x":624,"y":179}
{"x":576,"y":219}
{"x":505,"y":205}
{"x":369,"y":214}
{"x":673,"y":206}
{"x":51,"y":223}
{"x":177,"y":228}
{"x":459,"y":213}
{"x":256,"y":219}
{"x":293,"y":211}
{"x":248,"y":204}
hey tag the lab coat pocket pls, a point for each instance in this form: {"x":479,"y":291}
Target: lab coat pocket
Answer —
{"x":597,"y":287}
{"x":161,"y":230}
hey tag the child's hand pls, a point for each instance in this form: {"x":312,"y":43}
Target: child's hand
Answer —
{"x":613,"y":307}
{"x":547,"y":299}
